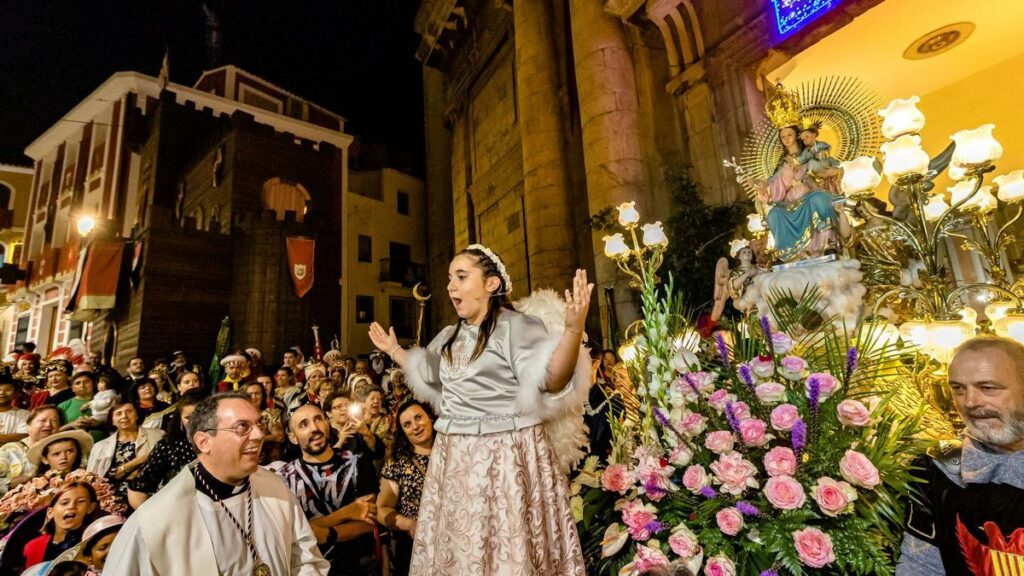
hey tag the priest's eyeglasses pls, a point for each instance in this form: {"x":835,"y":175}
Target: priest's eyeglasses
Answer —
{"x":241,"y":428}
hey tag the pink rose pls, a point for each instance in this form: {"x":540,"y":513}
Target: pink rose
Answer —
{"x":704,"y":381}
{"x":734,"y":473}
{"x":763,"y":366}
{"x":648,"y":558}
{"x":681,"y":455}
{"x":617,"y":478}
{"x":692,"y":424}
{"x":717,"y":400}
{"x":781,"y":343}
{"x":827,"y":385}
{"x":780,"y":461}
{"x":853,"y":413}
{"x":740,"y":410}
{"x":695,"y":478}
{"x":655,"y":482}
{"x":833,"y":497}
{"x":684,"y":542}
{"x":638,"y":520}
{"x":719,"y":565}
{"x":754,"y":431}
{"x":719,"y":442}
{"x":729,"y":521}
{"x":784,"y":492}
{"x":783,"y":417}
{"x":770,"y":393}
{"x":793,"y":368}
{"x":858,"y":470}
{"x":814,"y":547}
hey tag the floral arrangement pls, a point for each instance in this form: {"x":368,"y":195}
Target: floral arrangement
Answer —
{"x":766,"y":449}
{"x":37,"y":492}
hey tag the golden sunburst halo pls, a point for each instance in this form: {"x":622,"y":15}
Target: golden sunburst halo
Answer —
{"x":845,"y":107}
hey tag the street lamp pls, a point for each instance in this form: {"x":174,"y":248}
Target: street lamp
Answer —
{"x":85,"y":225}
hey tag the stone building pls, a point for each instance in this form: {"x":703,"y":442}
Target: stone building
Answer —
{"x":543,"y":112}
{"x":193,"y":191}
{"x":15,"y":183}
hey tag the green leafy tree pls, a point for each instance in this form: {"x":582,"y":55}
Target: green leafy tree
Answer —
{"x":699,"y":235}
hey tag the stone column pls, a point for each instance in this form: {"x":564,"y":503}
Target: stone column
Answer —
{"x":606,"y":82}
{"x":550,"y":230}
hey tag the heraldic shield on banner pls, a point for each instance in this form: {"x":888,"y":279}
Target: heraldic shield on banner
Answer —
{"x":300,"y":262}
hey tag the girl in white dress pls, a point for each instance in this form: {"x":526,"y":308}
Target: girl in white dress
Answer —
{"x":496,"y":499}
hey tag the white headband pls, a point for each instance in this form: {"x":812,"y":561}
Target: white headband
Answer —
{"x":497,"y":263}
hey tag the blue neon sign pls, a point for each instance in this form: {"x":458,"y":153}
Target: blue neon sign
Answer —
{"x":792,"y":15}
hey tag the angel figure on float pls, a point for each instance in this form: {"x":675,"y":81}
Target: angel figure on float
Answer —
{"x":732,"y":283}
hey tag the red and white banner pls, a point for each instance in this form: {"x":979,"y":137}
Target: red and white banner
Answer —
{"x":300,"y":262}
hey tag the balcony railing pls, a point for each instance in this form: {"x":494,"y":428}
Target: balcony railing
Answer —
{"x":405,"y":273}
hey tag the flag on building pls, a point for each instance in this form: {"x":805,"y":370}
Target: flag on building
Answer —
{"x":300,"y":262}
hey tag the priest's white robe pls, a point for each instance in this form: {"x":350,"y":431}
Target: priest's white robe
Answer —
{"x":182,"y":531}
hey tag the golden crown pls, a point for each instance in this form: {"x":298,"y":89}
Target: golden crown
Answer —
{"x":783,"y":107}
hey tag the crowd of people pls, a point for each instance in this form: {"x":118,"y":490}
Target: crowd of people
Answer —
{"x":83,"y":446}
{"x":332,"y":466}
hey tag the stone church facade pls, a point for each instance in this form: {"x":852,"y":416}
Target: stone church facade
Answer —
{"x":541,"y":113}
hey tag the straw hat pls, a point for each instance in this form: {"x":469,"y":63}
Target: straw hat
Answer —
{"x":35,"y":451}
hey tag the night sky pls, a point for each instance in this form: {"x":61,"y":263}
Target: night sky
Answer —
{"x":354,"y":57}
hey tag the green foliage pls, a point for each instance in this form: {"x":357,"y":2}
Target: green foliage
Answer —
{"x":700,"y":235}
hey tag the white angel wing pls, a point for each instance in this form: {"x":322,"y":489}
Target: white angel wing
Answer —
{"x":566,"y":429}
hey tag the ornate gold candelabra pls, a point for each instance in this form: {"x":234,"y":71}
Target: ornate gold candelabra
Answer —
{"x":641,"y":260}
{"x":941,"y":319}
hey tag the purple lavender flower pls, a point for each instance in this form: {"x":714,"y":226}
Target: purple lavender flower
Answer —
{"x":747,"y":509}
{"x":851,"y":361}
{"x":655,"y":526}
{"x":730,"y":415}
{"x":766,"y":327}
{"x":799,"y":437}
{"x":747,"y":376}
{"x":661,"y":418}
{"x":813,"y":394}
{"x":707,"y":492}
{"x":654,"y":490}
{"x":770,"y":572}
{"x":723,"y":350}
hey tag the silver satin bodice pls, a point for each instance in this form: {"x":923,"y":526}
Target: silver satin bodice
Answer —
{"x":479,"y":396}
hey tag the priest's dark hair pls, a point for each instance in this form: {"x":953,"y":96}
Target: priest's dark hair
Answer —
{"x":204,"y":419}
{"x":495,"y":303}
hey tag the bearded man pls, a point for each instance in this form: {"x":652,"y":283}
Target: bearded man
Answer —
{"x":972,"y":504}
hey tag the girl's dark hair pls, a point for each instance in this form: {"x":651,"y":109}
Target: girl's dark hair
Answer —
{"x":48,"y":525}
{"x":44,"y":467}
{"x":495,"y":304}
{"x":402,"y":446}
{"x":110,"y":415}
{"x":172,"y":424}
